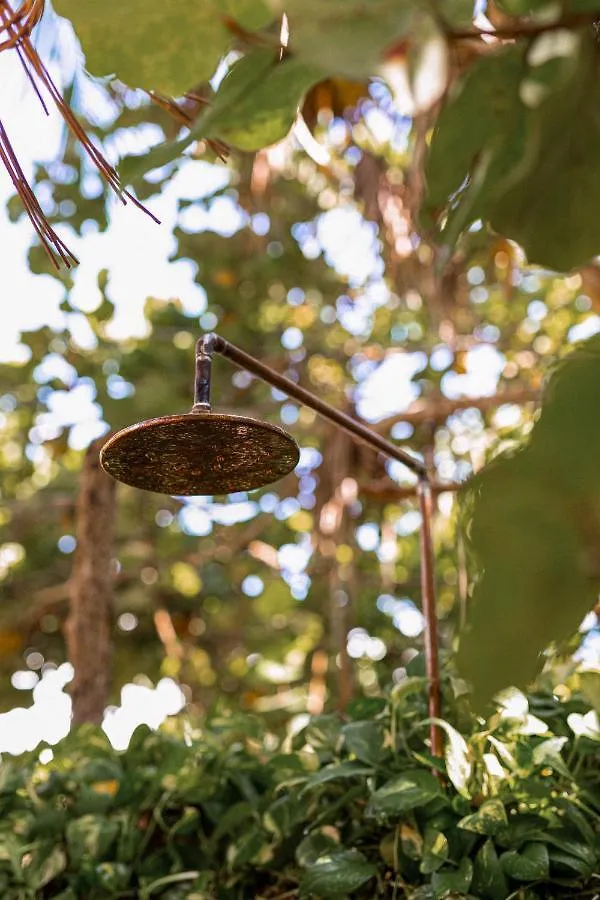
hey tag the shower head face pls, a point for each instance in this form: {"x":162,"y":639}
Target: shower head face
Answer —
{"x":200,"y":454}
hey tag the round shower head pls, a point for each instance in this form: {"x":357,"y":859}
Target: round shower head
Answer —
{"x":199,"y":454}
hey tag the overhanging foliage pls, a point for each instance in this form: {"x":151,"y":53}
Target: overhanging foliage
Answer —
{"x":532,"y":521}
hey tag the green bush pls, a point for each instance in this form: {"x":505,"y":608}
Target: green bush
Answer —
{"x":338,"y":807}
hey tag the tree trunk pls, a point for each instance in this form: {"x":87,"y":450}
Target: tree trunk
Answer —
{"x":88,"y":629}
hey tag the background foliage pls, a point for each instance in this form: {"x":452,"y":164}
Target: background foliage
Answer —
{"x":388,"y":250}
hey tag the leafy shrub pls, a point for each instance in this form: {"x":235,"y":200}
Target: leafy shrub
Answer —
{"x":336,"y":808}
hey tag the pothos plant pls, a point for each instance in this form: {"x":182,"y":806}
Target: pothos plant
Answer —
{"x":330,"y":808}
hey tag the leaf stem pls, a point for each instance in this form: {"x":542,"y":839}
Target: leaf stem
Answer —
{"x":524,"y":29}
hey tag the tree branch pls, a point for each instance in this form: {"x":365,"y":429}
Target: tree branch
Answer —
{"x":437,"y":409}
{"x":524,"y":28}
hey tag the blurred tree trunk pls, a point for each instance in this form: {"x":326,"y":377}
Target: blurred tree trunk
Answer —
{"x":334,"y":494}
{"x":88,"y":629}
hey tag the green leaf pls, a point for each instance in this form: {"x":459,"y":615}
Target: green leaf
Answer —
{"x":46,"y":863}
{"x":498,"y":151}
{"x":250,"y":14}
{"x":169,"y":47}
{"x":435,"y":851}
{"x":533,"y":589}
{"x":590,"y":686}
{"x":248,"y":848}
{"x":457,"y":756}
{"x":90,"y":837}
{"x":488,"y":878}
{"x":249,"y":112}
{"x":337,"y":874}
{"x":335,"y":772}
{"x":587,"y":853}
{"x":406,"y":688}
{"x":283,"y":815}
{"x":255,"y":106}
{"x":365,"y":740}
{"x":411,"y":841}
{"x":314,"y":845}
{"x":529,"y":864}
{"x":566,"y":864}
{"x":241,"y":79}
{"x":563,"y":178}
{"x":346,"y":37}
{"x":453,"y":880}
{"x":410,"y":790}
{"x":112,"y":877}
{"x":489,"y":819}
{"x":477,"y":127}
{"x":523,"y":7}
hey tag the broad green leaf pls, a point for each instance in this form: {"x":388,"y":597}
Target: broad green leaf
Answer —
{"x":565,"y":864}
{"x":406,"y":688}
{"x":169,"y":47}
{"x":335,"y":772}
{"x":411,"y":841}
{"x":47,"y":862}
{"x":337,"y":874}
{"x":498,"y":150}
{"x":457,"y":756}
{"x":589,"y":681}
{"x":455,"y":12}
{"x":365,"y":740}
{"x":241,"y":79}
{"x":489,"y":880}
{"x":522,"y":829}
{"x":563,"y":180}
{"x":315,"y":845}
{"x":89,"y":837}
{"x":456,"y":880}
{"x":250,"y":14}
{"x":249,"y":848}
{"x":283,"y":815}
{"x":527,"y":7}
{"x":255,"y":106}
{"x":477,"y":128}
{"x":250,"y":115}
{"x":529,"y":864}
{"x":586,"y":853}
{"x":323,"y":734}
{"x":346,"y":37}
{"x":112,"y":877}
{"x":410,"y":790}
{"x":489,"y":819}
{"x":435,"y":851}
{"x":525,"y":530}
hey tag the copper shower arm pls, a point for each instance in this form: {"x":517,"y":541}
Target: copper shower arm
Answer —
{"x":214,"y":343}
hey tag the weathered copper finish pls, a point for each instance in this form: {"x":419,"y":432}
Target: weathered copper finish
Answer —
{"x":199,"y":454}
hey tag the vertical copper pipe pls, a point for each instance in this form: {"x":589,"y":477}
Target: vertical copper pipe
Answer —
{"x":202,"y":379}
{"x":428,"y":593}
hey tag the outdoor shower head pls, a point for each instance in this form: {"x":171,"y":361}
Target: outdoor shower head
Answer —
{"x":200,"y":453}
